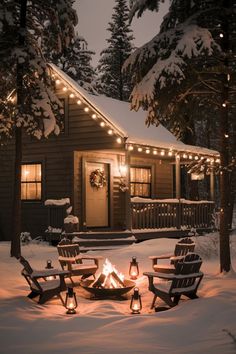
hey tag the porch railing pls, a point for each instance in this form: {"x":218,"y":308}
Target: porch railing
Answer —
{"x":171,"y":214}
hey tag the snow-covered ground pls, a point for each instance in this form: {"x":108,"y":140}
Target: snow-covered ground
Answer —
{"x":204,"y":325}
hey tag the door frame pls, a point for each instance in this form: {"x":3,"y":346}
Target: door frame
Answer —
{"x":109,"y":162}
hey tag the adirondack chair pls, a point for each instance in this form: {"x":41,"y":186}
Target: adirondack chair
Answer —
{"x":184,"y":281}
{"x":77,"y":264}
{"x":182,"y":247}
{"x":39,"y":283}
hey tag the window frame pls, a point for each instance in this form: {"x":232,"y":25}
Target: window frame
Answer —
{"x":147,"y":167}
{"x":42,"y":181}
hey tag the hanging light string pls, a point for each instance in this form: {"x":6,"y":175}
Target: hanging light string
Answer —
{"x":95,"y":114}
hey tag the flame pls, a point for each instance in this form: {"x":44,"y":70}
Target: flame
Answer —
{"x":108,"y":268}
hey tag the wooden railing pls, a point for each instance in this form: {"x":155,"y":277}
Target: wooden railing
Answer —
{"x":183,"y":213}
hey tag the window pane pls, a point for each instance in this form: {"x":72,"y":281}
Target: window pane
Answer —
{"x":31,"y":181}
{"x":140,"y":179}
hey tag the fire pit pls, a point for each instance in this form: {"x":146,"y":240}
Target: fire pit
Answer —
{"x":110,"y":283}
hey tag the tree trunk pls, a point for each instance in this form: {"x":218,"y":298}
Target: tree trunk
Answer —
{"x":16,"y":210}
{"x":225,"y":262}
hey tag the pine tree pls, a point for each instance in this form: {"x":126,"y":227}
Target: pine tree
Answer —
{"x":76,"y":62}
{"x":27,"y":98}
{"x":192,"y":59}
{"x":112,"y":81}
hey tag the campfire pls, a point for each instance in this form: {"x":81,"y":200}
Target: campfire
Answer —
{"x":109,"y":283}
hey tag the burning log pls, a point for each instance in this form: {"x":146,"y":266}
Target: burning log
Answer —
{"x":99,"y":282}
{"x":117,"y":279}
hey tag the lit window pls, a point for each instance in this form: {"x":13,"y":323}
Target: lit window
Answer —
{"x":31,"y":181}
{"x":140,"y":182}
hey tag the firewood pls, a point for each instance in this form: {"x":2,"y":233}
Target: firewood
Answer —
{"x":98,"y":283}
{"x":117,"y":279}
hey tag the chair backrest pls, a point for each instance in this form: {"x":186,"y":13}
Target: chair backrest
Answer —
{"x":27,"y":272}
{"x":26,"y":265}
{"x":68,"y":249}
{"x":189,"y":265}
{"x":184,"y":246}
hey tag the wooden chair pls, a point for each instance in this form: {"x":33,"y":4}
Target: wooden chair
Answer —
{"x":182,"y":247}
{"x":39,"y":283}
{"x":77,"y":264}
{"x":184,"y":281}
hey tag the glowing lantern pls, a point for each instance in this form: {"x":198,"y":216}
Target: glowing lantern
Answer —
{"x":133,"y":269}
{"x":136,"y":303}
{"x":49,"y":266}
{"x":71,"y":302}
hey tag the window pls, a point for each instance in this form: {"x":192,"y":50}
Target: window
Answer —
{"x":140,"y":182}
{"x":31,"y":181}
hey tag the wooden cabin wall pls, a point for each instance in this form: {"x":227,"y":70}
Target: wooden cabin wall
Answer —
{"x":162,"y":180}
{"x":57,"y":156}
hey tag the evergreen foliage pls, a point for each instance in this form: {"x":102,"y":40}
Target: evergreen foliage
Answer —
{"x":112,"y":82}
{"x":76,"y":62}
{"x":40,"y":111}
{"x":188,"y":70}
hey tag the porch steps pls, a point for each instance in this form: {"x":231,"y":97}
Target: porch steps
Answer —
{"x":96,"y":240}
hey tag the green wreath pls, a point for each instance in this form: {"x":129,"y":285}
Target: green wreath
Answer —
{"x":97,"y":178}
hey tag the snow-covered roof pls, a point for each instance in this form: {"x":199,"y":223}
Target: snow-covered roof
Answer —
{"x":131,"y":124}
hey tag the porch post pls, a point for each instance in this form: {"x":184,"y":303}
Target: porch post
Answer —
{"x":127,"y":193}
{"x":177,"y":176}
{"x":212,"y":184}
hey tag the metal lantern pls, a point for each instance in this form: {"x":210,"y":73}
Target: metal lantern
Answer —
{"x":136,"y":303}
{"x":133,"y":269}
{"x":71,"y":302}
{"x":49,"y":266}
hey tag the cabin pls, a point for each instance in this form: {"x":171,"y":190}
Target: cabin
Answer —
{"x":117,"y":174}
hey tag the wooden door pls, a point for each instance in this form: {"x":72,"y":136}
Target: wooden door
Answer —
{"x":97,"y":199}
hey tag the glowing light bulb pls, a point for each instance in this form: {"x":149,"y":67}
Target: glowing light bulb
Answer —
{"x":130,"y":148}
{"x":140,"y":149}
{"x":58,"y":82}
{"x":86,"y":109}
{"x":118,"y":140}
{"x":102,"y":124}
{"x":147,"y":151}
{"x":65,"y":88}
{"x":154,"y":152}
{"x":72,"y":95}
{"x":110,"y":131}
{"x":162,"y":153}
{"x":94,"y":116}
{"x":79,"y":102}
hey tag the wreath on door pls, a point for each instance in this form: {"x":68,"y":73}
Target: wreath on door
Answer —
{"x":97,"y":178}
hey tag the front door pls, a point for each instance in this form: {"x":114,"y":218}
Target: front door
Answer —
{"x":97,"y":197}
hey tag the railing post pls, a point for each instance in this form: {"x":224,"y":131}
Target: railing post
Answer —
{"x":177,"y":176}
{"x":178,"y":215}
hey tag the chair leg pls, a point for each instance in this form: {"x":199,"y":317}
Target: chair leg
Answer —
{"x":32,"y":295}
{"x":153,"y":302}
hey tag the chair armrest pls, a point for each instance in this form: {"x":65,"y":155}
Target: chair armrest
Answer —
{"x":165,"y":276}
{"x":89,"y":257}
{"x":48,"y":272}
{"x":177,"y":258}
{"x":163,"y":256}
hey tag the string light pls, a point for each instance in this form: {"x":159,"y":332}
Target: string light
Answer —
{"x":226,"y":135}
{"x":170,"y":153}
{"x":110,"y":132}
{"x":118,"y":140}
{"x":190,"y":157}
{"x":64,"y":89}
{"x":228,"y":77}
{"x":79,"y":102}
{"x":58,"y":82}
{"x":72,"y":95}
{"x":102,"y":124}
{"x":162,"y":152}
{"x":224,"y":104}
{"x":147,"y":151}
{"x":94,"y":116}
{"x":140,"y":149}
{"x":86,"y":109}
{"x":221,"y":35}
{"x":154,"y":152}
{"x":185,"y":156}
{"x":196,"y":157}
{"x":130,"y":148}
